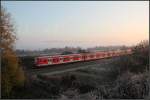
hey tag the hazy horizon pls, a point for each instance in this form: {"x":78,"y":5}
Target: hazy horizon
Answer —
{"x":52,"y":24}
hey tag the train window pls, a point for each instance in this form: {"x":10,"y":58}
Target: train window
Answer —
{"x":76,"y":58}
{"x":91,"y":56}
{"x":66,"y":59}
{"x":45,"y":61}
{"x":104,"y":54}
{"x":110,"y":54}
{"x":38,"y":59}
{"x":55,"y":60}
{"x":97,"y":55}
{"x":41,"y":60}
{"x":84,"y":56}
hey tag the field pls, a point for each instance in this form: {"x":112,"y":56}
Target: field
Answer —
{"x":123,"y":77}
{"x":105,"y":78}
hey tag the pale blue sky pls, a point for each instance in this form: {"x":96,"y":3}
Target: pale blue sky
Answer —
{"x":46,"y":24}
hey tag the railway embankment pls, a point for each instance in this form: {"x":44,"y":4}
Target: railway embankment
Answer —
{"x":125,"y":77}
{"x":106,"y":79}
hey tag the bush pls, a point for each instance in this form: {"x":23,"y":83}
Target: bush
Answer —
{"x":141,"y":54}
{"x":12,"y":73}
{"x":132,"y":86}
{"x":138,"y":62}
{"x":67,"y":81}
{"x":127,"y":86}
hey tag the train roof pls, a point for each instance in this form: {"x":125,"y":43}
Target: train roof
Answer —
{"x":78,"y":54}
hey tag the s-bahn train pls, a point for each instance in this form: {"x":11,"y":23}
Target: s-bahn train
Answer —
{"x":61,"y":59}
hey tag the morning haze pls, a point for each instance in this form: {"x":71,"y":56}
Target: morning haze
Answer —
{"x":86,"y":24}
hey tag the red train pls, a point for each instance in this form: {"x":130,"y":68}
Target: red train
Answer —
{"x":60,"y":59}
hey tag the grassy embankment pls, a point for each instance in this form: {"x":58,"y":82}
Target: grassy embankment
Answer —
{"x":125,"y":77}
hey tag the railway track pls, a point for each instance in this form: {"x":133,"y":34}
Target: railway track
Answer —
{"x":57,"y":69}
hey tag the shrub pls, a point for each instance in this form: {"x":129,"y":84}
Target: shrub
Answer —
{"x":138,"y":62}
{"x":132,"y":86}
{"x":127,"y":86}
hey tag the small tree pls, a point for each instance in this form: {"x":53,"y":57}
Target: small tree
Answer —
{"x":11,"y":73}
{"x":138,"y":62}
{"x":141,"y":55}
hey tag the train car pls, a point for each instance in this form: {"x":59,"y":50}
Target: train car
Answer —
{"x":77,"y":57}
{"x":60,"y":59}
{"x":41,"y":61}
{"x":109,"y":53}
{"x":105,"y":54}
{"x":54,"y":60}
{"x":113,"y":53}
{"x":98,"y":55}
{"x":71,"y":58}
{"x":46,"y":60}
{"x":101,"y":54}
{"x":89,"y":56}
